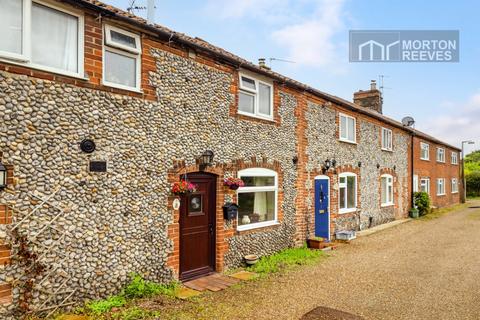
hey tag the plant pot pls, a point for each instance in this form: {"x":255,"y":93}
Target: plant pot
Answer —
{"x":414,"y":213}
{"x":234,"y":187}
{"x":251,"y":259}
{"x":315,"y":244}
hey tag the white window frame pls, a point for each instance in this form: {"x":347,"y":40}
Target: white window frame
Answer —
{"x":415,"y":183}
{"x":442,"y":180}
{"x":259,"y":172}
{"x":427,"y":147}
{"x":390,"y":197}
{"x":440,"y":151}
{"x":255,"y":93}
{"x":454,"y":156}
{"x":112,"y":46}
{"x":25,"y":58}
{"x":345,"y":185}
{"x":454,"y":185}
{"x":427,"y":184}
{"x":345,"y":139}
{"x":387,"y":145}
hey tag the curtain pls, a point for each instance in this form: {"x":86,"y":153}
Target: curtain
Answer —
{"x":11,"y":26}
{"x":54,"y":38}
{"x":260,"y":205}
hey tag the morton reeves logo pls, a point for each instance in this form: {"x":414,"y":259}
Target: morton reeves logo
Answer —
{"x":404,"y":46}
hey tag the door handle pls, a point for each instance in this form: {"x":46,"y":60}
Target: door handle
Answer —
{"x":210,"y":228}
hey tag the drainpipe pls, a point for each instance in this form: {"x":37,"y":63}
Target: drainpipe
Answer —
{"x":412,"y":159}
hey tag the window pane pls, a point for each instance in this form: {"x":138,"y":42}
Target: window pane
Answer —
{"x":11,"y":26}
{"x":246,"y":103}
{"x":120,"y":69}
{"x":258,"y":181}
{"x":123,"y":39}
{"x":384,"y":190}
{"x":256,"y":207}
{"x":248,"y":83}
{"x":264,"y":99}
{"x":54,"y":38}
{"x":351,"y":181}
{"x":343,"y":127}
{"x":351,"y":129}
{"x":342,"y":197}
{"x":390,"y":193}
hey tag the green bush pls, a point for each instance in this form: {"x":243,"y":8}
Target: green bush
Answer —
{"x":135,"y":313}
{"x":285,"y":259}
{"x":140,"y":288}
{"x":422,"y":202}
{"x":473,"y":183}
{"x":98,"y":307}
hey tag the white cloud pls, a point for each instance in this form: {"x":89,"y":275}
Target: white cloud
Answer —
{"x":462,"y":123}
{"x":311,"y":42}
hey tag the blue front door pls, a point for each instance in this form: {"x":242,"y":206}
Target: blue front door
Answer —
{"x":322,"y":215}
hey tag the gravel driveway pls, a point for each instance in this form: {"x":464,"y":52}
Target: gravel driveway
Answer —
{"x":417,"y":270}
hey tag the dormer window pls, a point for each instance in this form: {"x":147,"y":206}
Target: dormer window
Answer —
{"x":255,"y":98}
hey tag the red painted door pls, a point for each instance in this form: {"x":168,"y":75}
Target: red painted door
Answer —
{"x":197,"y":228}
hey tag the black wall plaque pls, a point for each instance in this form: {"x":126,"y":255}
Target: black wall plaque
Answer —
{"x":98,"y":166}
{"x":87,"y":146}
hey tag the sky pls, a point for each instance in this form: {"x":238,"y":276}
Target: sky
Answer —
{"x":443,"y":98}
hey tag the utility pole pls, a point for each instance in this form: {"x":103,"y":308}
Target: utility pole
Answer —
{"x":464,"y":198}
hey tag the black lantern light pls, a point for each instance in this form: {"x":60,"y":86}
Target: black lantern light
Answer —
{"x":334,"y":163}
{"x":206,"y":159}
{"x":3,"y":176}
{"x":359,"y":164}
{"x":327,"y":164}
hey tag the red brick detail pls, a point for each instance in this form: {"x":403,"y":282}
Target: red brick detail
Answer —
{"x":5,"y":214}
{"x":5,"y":254}
{"x":5,"y":293}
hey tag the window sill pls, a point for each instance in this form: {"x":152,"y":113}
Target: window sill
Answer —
{"x":342,"y":211}
{"x":117,"y":86}
{"x":257,"y":225}
{"x":456,"y":192}
{"x":387,"y":150}
{"x":256,"y":116}
{"x":441,"y":195}
{"x":425,"y":159}
{"x":386,"y":205}
{"x":28,"y":65}
{"x":347,"y":141}
{"x":443,"y":162}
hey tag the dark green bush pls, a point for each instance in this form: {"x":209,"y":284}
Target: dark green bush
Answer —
{"x":473,"y":183}
{"x":422,"y":202}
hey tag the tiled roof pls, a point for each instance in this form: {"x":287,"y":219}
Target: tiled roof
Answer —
{"x":201,"y":44}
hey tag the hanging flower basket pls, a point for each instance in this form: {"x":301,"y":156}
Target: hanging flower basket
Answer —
{"x":182,"y":188}
{"x":233,"y":183}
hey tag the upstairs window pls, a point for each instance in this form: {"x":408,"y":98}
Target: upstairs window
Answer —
{"x":424,"y":151}
{"x":42,"y":35}
{"x":387,"y":139}
{"x":121,"y":59}
{"x":454,"y":158}
{"x":347,"y":192}
{"x":255,"y":98}
{"x":454,"y":185}
{"x":347,"y":128}
{"x":440,"y":155}
{"x":440,"y":187}
{"x":257,"y":200}
{"x":386,"y":190}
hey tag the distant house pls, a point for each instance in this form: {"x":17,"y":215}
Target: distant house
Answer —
{"x":101,"y":113}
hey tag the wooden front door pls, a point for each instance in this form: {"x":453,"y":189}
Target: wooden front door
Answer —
{"x":197,"y":227}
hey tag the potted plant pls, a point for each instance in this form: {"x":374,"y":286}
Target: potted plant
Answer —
{"x":315,"y":243}
{"x":233,"y":183}
{"x":182,"y":187}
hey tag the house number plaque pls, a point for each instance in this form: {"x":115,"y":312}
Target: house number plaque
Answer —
{"x":176,"y":204}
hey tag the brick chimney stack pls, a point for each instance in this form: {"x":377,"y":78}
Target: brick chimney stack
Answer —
{"x":371,"y":99}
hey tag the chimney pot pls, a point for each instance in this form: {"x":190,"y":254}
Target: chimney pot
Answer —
{"x":373,"y":85}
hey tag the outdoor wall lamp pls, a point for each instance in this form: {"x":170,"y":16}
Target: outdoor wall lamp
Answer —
{"x":295,"y":160}
{"x":3,"y":176}
{"x":206,"y":159}
{"x":359,"y":164}
{"x":327,"y":164}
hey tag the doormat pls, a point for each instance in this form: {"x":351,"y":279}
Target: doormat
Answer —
{"x":325,"y":313}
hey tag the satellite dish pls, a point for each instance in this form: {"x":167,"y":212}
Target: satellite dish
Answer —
{"x":408,"y":121}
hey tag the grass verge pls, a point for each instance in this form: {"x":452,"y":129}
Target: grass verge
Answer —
{"x":286,"y":259}
{"x":437,"y":213}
